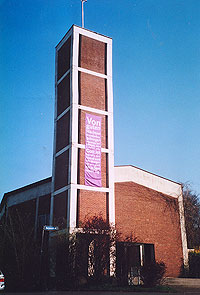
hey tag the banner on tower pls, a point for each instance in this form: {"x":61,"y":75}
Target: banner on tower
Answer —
{"x":93,"y":150}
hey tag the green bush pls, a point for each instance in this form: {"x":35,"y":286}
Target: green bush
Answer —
{"x":152,"y":273}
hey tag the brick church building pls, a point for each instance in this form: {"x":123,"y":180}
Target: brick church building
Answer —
{"x":84,"y":180}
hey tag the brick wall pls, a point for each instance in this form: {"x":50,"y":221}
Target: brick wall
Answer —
{"x":60,"y":209}
{"x":24,"y":210}
{"x":63,"y":59}
{"x":92,"y":55}
{"x":62,"y":135}
{"x":44,"y":204}
{"x":63,"y":95}
{"x":92,"y":93}
{"x":62,"y":139}
{"x":152,"y":218}
{"x":91,"y":203}
{"x":91,"y":88}
{"x":61,"y":170}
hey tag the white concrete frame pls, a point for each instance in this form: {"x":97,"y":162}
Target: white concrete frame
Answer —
{"x":74,"y":107}
{"x":183,"y":230}
{"x":134,"y":174}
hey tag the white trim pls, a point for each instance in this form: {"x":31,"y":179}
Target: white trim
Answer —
{"x":111,"y":170}
{"x":77,"y":145}
{"x":83,"y":70}
{"x":61,"y":190}
{"x":56,"y":118}
{"x":36,"y":217}
{"x":92,"y":35}
{"x":60,"y":44}
{"x":109,"y":59}
{"x":147,"y":179}
{"x":2,"y":211}
{"x":73,"y":207}
{"x":110,"y":96}
{"x":54,"y":144}
{"x":110,"y":136}
{"x":63,"y":113}
{"x":73,"y":165}
{"x":51,"y":210}
{"x":91,"y":188}
{"x":71,"y":93}
{"x":74,"y":148}
{"x":93,"y":110}
{"x":183,"y":230}
{"x":29,"y":194}
{"x":141,"y":254}
{"x":75,"y":49}
{"x":63,"y":150}
{"x":68,"y":207}
{"x":63,"y":77}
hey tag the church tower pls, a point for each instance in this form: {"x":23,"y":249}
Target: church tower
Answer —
{"x":83,"y":157}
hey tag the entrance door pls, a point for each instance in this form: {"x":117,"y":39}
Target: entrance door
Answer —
{"x":130,"y":258}
{"x":128,"y":262}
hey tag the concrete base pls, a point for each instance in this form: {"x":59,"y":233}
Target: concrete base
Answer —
{"x":184,"y":285}
{"x":186,"y":282}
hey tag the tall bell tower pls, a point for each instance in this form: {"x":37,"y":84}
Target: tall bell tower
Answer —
{"x":83,"y":157}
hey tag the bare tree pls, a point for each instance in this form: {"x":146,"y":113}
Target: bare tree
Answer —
{"x":100,"y":238}
{"x":87,"y":255}
{"x":192,"y":216}
{"x":18,"y":251}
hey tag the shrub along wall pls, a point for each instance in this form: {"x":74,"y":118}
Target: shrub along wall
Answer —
{"x":194,"y":264}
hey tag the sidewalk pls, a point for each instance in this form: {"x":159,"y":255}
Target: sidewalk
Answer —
{"x":186,"y":282}
{"x":183,"y":292}
{"x":183,"y":286}
{"x":186,"y":285}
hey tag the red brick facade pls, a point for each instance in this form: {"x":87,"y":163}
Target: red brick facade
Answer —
{"x":92,"y":93}
{"x":91,"y":88}
{"x":92,"y":55}
{"x":152,"y":218}
{"x":91,"y":203}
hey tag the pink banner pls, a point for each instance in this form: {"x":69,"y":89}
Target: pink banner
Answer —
{"x":93,"y":150}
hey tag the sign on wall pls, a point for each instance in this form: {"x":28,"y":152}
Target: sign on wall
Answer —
{"x":93,"y":150}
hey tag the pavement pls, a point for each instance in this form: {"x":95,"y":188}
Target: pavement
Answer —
{"x":183,"y":291}
{"x":187,"y":286}
{"x":182,"y":286}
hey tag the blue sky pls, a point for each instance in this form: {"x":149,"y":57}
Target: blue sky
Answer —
{"x":156,"y":81}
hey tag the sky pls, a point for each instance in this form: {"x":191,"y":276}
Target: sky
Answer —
{"x":156,"y":84}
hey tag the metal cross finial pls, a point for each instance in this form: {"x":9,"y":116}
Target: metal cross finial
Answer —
{"x":82,"y":1}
